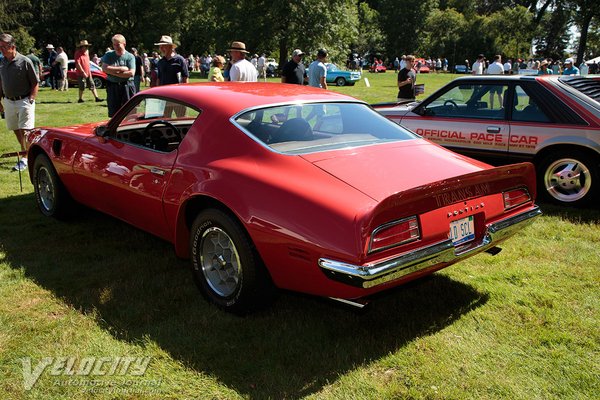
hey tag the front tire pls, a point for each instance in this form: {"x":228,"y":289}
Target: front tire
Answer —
{"x":226,"y":267}
{"x":52,"y":198}
{"x":340,"y":81}
{"x":569,"y":178}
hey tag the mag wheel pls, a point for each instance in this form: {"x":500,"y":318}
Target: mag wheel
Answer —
{"x":51,"y":196}
{"x":340,"y":81}
{"x":568,"y":178}
{"x":226,"y":267}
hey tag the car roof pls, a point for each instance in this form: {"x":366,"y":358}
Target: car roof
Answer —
{"x":233,"y":97}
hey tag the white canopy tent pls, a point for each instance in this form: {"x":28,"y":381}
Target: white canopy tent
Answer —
{"x":593,"y":60}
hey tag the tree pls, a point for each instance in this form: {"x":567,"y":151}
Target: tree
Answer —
{"x":443,"y":30}
{"x":512,"y":31}
{"x":587,"y":11}
{"x":14,"y":20}
{"x":370,"y":37}
{"x":552,"y":37}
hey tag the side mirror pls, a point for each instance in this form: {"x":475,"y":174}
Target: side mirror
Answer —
{"x":101,"y":131}
{"x":424,"y":111}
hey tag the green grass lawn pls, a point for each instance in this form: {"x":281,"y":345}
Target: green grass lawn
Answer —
{"x":521,"y":325}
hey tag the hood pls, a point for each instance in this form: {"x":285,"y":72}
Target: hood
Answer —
{"x":382,"y":170}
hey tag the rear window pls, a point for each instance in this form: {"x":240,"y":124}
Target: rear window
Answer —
{"x":313,"y":127}
{"x":587,"y":86}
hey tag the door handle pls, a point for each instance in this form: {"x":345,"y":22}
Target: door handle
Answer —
{"x":493,"y":129}
{"x":157,"y":171}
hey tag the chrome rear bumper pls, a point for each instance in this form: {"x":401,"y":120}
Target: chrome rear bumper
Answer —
{"x":369,"y":275}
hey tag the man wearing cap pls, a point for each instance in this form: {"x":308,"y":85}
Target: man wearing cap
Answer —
{"x":241,"y":69}
{"x":18,"y":90}
{"x":317,"y":71}
{"x":119,"y":66}
{"x":293,"y":71}
{"x":171,"y":66}
{"x":570,"y":69}
{"x":478,"y":65}
{"x":84,"y":74}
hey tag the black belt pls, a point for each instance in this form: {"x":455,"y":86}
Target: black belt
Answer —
{"x":18,"y":97}
{"x":118,"y":83}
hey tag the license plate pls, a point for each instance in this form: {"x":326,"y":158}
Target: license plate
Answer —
{"x":462,"y":230}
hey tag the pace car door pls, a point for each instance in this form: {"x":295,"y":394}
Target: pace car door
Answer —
{"x":467,"y":117}
{"x":125,"y":172}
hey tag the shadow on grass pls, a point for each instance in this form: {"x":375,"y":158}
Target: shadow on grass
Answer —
{"x":590,"y":215}
{"x":140,"y":292}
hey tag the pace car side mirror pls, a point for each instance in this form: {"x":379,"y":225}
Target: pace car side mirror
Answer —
{"x":101,"y":131}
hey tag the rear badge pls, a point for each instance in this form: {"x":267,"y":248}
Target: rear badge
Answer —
{"x":465,"y":210}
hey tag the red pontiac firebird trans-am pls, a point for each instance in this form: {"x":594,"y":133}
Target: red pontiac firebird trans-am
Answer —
{"x":269,"y":186}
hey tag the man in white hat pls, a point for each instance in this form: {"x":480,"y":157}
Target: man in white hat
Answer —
{"x":172,"y":68}
{"x":241,"y":69}
{"x":84,"y":74}
{"x":570,"y":69}
{"x":52,"y":54}
{"x":293,"y":71}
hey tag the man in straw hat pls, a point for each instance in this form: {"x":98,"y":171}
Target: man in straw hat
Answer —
{"x":171,"y":66}
{"x":241,"y":69}
{"x":119,"y":66}
{"x":84,"y":75}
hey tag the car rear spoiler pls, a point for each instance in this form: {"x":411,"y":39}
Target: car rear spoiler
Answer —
{"x":455,"y":190}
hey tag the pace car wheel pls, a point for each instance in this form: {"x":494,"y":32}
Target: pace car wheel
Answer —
{"x":569,"y":178}
{"x":52,"y":198}
{"x":98,"y":83}
{"x":340,"y":81}
{"x":225,"y":264}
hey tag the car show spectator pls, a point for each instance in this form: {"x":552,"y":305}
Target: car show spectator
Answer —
{"x":215,"y":74}
{"x":62,"y":63}
{"x":496,"y":68}
{"x":139,"y":69}
{"x":293,"y":71}
{"x":37,"y":64}
{"x":261,"y":64}
{"x":241,"y":69}
{"x":84,"y":74}
{"x":507,"y":67}
{"x":119,"y":66}
{"x":479,"y":65}
{"x":51,"y":63}
{"x":407,"y":80}
{"x":172,"y":67}
{"x":570,"y":69}
{"x":317,"y":71}
{"x":583,"y":68}
{"x":19,"y":86}
{"x":544,"y":70}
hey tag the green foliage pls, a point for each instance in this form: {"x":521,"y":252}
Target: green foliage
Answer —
{"x":552,"y":36}
{"x":512,"y":31}
{"x":444,"y":30}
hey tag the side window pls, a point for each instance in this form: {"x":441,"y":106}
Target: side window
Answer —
{"x":525,"y":108}
{"x":470,"y":101}
{"x":156,"y":124}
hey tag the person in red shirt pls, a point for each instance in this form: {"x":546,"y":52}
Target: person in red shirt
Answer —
{"x":84,"y":75}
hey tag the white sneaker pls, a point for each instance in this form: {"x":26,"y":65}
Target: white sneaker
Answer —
{"x":21,"y":165}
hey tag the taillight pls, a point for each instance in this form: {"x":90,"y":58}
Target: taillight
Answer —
{"x":394,"y":234}
{"x":515,"y":197}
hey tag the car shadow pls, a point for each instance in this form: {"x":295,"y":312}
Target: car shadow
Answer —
{"x":589,"y":215}
{"x":139,"y":291}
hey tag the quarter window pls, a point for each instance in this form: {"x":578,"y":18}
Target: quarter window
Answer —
{"x":525,"y":108}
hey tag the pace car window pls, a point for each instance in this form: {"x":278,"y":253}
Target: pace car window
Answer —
{"x":156,"y":124}
{"x":313,"y":127}
{"x":525,"y":108}
{"x":481,"y":101}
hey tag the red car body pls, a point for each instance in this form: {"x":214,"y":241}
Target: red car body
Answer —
{"x":329,"y":221}
{"x":98,"y":75}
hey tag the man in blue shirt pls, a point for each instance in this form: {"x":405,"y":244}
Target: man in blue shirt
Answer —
{"x":119,"y":66}
{"x":172,"y":68}
{"x":317,"y":71}
{"x":570,"y":69}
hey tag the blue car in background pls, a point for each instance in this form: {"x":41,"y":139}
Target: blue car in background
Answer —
{"x":461,"y":69}
{"x":339,"y":77}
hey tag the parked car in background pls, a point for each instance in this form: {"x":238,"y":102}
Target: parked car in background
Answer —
{"x":552,"y":121}
{"x":341,"y":78}
{"x":267,"y":186}
{"x":377,"y":68}
{"x":461,"y":69}
{"x":424,"y":68}
{"x":98,"y":75}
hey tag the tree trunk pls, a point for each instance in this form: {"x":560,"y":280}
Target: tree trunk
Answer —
{"x":585,"y":26}
{"x":283,"y":52}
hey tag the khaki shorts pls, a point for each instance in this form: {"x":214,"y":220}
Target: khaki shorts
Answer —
{"x":19,"y":114}
{"x":86,"y":82}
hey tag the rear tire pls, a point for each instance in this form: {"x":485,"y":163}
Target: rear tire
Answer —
{"x":569,"y":178}
{"x":98,"y":83}
{"x":52,"y":198}
{"x":226,"y":267}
